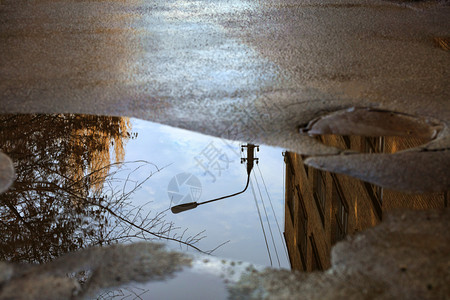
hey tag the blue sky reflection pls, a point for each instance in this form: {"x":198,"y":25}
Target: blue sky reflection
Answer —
{"x":235,"y":219}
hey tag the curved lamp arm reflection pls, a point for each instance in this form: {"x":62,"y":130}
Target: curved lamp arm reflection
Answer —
{"x":191,"y":205}
{"x":250,"y":162}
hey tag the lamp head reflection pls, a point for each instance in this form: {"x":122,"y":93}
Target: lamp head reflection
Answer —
{"x":250,"y":159}
{"x":183,"y":207}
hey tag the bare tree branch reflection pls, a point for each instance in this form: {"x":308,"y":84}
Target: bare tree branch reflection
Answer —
{"x":129,"y":219}
{"x":68,"y":195}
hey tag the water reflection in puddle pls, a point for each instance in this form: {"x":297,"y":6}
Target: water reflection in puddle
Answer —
{"x":88,"y":180}
{"x":199,"y":168}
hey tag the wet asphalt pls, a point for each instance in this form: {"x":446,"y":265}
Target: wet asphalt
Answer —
{"x":248,"y":70}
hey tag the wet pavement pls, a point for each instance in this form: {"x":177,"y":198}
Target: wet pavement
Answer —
{"x":263,"y":72}
{"x":236,"y":69}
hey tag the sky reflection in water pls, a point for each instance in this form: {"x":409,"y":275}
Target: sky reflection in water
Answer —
{"x":216,"y":163}
{"x":72,"y":192}
{"x":85,"y":180}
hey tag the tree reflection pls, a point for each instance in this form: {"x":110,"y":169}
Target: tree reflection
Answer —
{"x":68,"y":194}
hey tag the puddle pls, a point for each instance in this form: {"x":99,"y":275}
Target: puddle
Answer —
{"x":85,"y":181}
{"x":237,"y":69}
{"x":91,"y":180}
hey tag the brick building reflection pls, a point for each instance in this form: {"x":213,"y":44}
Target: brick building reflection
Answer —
{"x":321,"y":208}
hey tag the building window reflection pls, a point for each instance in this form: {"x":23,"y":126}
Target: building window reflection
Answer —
{"x":374,"y":144}
{"x":316,"y":263}
{"x":302,"y":227}
{"x":341,"y":212}
{"x":319,"y":191}
{"x":290,"y":190}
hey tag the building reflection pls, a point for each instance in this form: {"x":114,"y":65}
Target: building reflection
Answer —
{"x":321,"y":208}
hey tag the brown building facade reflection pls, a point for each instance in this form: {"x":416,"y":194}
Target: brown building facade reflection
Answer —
{"x":321,"y":208}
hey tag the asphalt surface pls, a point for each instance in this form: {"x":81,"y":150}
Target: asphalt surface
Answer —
{"x":248,"y":70}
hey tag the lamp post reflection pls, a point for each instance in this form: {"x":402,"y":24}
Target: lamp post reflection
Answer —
{"x":250,"y":163}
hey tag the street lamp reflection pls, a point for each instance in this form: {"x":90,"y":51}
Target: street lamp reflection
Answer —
{"x":250,"y":163}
